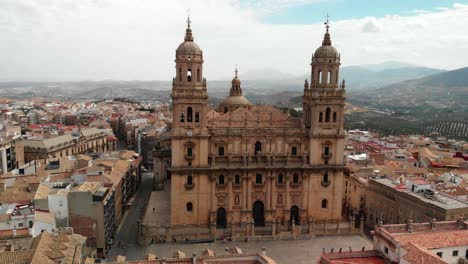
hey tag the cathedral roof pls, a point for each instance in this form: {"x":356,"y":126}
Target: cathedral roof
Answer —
{"x":255,"y":116}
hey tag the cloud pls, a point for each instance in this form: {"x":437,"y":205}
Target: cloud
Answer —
{"x":371,"y":26}
{"x":125,"y":39}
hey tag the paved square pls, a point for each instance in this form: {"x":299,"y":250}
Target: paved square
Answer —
{"x":283,"y":251}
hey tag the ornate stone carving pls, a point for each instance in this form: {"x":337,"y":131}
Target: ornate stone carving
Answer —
{"x":221,"y":198}
{"x":258,"y":196}
{"x":296,"y":198}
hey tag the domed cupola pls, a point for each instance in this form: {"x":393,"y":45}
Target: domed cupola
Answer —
{"x":235,"y":98}
{"x":326,"y":52}
{"x":188,"y":47}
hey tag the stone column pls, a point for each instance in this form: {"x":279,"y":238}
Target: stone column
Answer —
{"x":273,"y":227}
{"x":249,"y":193}
{"x":244,"y":196}
{"x":268,"y":190}
{"x":361,"y":225}
{"x":273,"y":192}
{"x":252,"y":229}
{"x":213,"y":193}
{"x":4,"y":161}
{"x":288,"y":200}
{"x":229,"y":201}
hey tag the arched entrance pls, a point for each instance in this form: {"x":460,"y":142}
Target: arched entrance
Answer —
{"x":295,"y":215}
{"x":258,"y":213}
{"x":221,"y":218}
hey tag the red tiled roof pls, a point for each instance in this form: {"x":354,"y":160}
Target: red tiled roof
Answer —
{"x":436,"y":239}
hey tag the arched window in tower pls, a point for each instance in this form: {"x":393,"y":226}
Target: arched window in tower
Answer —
{"x":189,"y":114}
{"x":189,"y":180}
{"x":324,"y":203}
{"x":237,"y":179}
{"x":189,"y":75}
{"x":295,"y":178}
{"x":320,"y":76}
{"x":221,"y":179}
{"x":258,"y":147}
{"x":182,"y":117}
{"x":334,"y":117}
{"x":180,"y":74}
{"x":325,"y":177}
{"x":329,"y":77}
{"x":197,"y":117}
{"x":189,"y":207}
{"x":280,"y":178}
{"x":198,"y":75}
{"x":327,"y":115}
{"x":320,"y":117}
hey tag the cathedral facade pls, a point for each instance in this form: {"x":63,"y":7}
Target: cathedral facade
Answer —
{"x":240,"y":165}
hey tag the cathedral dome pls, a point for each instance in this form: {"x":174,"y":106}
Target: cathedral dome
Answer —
{"x":236,"y":100}
{"x":188,"y":47}
{"x":326,"y":51}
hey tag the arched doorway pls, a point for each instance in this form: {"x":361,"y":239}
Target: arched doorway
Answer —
{"x":258,"y":213}
{"x":221,"y":218}
{"x":295,"y":215}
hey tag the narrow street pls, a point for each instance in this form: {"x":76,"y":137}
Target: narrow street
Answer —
{"x":127,"y":233}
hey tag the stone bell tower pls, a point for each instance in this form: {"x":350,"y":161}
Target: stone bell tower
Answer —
{"x":323,"y":104}
{"x":189,"y":134}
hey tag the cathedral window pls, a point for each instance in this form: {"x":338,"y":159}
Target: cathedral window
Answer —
{"x":325,"y":177}
{"x":334,"y":117}
{"x":180,"y":74}
{"x":327,"y":114}
{"x":258,"y":178}
{"x":329,"y":76}
{"x":182,"y":117}
{"x":189,"y":114}
{"x":221,"y":179}
{"x":320,"y":76}
{"x":258,"y":147}
{"x":320,"y":117}
{"x":189,"y":180}
{"x":294,"y":151}
{"x":189,"y":75}
{"x":280,"y":178}
{"x":198,"y":75}
{"x":295,"y":178}
{"x":221,"y":151}
{"x":324,"y":203}
{"x":189,"y":152}
{"x":237,"y":179}
{"x":326,"y":150}
{"x":189,"y":207}
{"x":197,"y":117}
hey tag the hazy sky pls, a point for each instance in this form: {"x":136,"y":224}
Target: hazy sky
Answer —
{"x":50,"y":40}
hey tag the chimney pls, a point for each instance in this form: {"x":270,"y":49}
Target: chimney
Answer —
{"x":264,"y":251}
{"x":433,"y":224}
{"x":194,"y":258}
